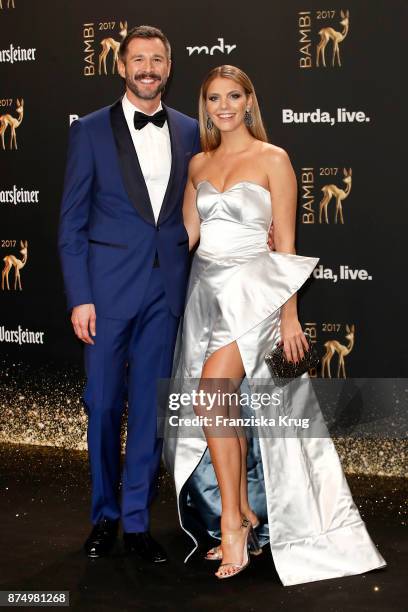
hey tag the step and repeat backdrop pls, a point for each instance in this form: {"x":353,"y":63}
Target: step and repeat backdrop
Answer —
{"x":330,"y":81}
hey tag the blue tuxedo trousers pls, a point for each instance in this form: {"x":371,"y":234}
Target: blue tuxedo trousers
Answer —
{"x":128,"y":358}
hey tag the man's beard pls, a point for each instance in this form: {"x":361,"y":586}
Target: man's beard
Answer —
{"x":132,"y":83}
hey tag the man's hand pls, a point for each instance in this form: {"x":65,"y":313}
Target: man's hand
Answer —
{"x":271,"y":243}
{"x":84,"y":321}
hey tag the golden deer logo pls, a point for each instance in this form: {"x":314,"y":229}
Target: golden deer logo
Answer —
{"x":327,"y":34}
{"x":333,"y":191}
{"x":12,"y":122}
{"x":334,"y":346}
{"x":12,"y":261}
{"x":8,"y":4}
{"x":109,"y":44}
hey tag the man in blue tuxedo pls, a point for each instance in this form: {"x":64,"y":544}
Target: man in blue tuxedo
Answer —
{"x":125,"y":258}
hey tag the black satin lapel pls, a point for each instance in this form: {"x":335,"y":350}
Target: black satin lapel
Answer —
{"x":129,"y":164}
{"x":176,"y":163}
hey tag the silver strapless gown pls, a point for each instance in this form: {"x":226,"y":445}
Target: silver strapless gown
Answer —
{"x":296,"y":485}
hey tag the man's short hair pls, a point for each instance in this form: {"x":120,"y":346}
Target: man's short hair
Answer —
{"x":144,"y":31}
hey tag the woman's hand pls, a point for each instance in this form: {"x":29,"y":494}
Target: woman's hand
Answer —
{"x":191,"y":218}
{"x":271,"y":241}
{"x":293,"y":339}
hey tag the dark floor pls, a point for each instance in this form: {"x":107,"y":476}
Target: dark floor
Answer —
{"x":44,"y":518}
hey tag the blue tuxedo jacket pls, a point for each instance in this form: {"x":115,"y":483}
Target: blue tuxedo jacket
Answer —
{"x":108,"y":237}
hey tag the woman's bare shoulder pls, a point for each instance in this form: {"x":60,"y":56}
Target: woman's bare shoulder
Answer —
{"x":271,"y":153}
{"x":199,"y":158}
{"x":197,"y":164}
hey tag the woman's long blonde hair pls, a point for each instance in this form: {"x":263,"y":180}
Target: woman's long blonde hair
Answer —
{"x":210,"y":139}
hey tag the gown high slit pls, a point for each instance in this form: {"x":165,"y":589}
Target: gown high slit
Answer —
{"x":296,"y":484}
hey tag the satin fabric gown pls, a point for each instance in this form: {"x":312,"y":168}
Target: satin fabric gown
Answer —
{"x":296,"y":484}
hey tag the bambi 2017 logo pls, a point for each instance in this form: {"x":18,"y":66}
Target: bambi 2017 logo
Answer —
{"x":12,"y":262}
{"x":315,"y":40}
{"x":337,"y":340}
{"x":10,"y":4}
{"x":335,"y":188}
{"x":10,"y":122}
{"x":101,"y":42}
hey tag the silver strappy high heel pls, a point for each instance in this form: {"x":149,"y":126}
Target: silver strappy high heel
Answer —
{"x":254,"y":547}
{"x":236,"y":568}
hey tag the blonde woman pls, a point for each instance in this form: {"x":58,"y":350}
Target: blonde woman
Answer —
{"x":241,"y":300}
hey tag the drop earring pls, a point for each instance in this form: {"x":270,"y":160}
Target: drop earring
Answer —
{"x":248,"y":119}
{"x":210,"y":124}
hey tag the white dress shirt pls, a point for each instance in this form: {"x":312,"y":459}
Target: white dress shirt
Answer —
{"x":153,"y":149}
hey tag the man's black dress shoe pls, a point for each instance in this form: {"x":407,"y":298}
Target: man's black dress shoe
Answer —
{"x":101,"y":538}
{"x":142,"y":544}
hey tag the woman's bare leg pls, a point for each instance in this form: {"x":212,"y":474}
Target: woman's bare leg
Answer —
{"x":246,"y":510}
{"x":226,"y":451}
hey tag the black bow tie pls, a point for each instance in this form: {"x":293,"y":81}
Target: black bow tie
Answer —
{"x":140,"y":119}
